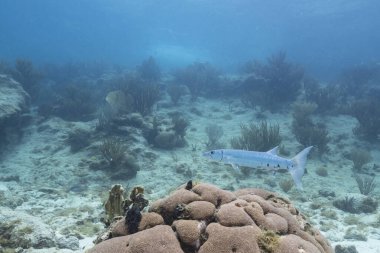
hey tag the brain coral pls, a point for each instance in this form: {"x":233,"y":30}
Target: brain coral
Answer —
{"x":206,"y":219}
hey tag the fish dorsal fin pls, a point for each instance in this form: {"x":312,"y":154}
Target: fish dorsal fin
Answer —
{"x":273,"y":151}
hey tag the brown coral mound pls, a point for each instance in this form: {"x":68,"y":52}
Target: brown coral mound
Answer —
{"x":206,"y":219}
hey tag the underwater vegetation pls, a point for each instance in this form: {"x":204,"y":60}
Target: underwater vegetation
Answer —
{"x":214,"y":132}
{"x":363,"y":204}
{"x":149,"y":70}
{"x":202,"y":79}
{"x":176,"y":91}
{"x":359,"y":81}
{"x":116,"y":161}
{"x":165,"y":136}
{"x":366,"y":184}
{"x":347,"y":204}
{"x":276,"y":80}
{"x":144,"y":94}
{"x":113,"y":151}
{"x":27,"y":75}
{"x":257,"y":137}
{"x":78,"y":139}
{"x":326,"y":98}
{"x":72,"y":103}
{"x":359,"y":157}
{"x":367,"y":112}
{"x":306,"y":131}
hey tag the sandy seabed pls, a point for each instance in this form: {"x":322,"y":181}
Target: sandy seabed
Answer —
{"x":55,"y":192}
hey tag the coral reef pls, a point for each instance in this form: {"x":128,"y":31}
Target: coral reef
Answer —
{"x":203,"y":218}
{"x":359,"y":157}
{"x":277,"y":80}
{"x":257,"y":137}
{"x":149,"y":70}
{"x":325,"y":97}
{"x":167,"y":135}
{"x":13,"y":106}
{"x":356,"y":82}
{"x":176,"y":91}
{"x":306,"y":131}
{"x":200,"y":78}
{"x":73,"y":103}
{"x":27,"y":75}
{"x":140,"y":94}
{"x":367,"y":112}
{"x":214,"y":133}
{"x":357,"y":204}
{"x":78,"y":139}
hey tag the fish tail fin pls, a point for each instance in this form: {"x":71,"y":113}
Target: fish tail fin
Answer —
{"x":298,"y":169}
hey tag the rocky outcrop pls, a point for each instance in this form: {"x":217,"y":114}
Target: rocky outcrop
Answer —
{"x":13,"y":103}
{"x":13,"y":98}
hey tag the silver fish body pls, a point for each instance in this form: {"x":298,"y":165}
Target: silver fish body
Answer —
{"x":269,"y":160}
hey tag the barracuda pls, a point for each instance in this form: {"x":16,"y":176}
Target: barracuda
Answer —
{"x":269,"y":160}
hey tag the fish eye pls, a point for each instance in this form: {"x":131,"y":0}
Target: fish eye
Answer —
{"x":212,"y":152}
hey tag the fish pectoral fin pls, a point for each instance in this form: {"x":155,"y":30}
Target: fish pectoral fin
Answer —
{"x":236,"y":167}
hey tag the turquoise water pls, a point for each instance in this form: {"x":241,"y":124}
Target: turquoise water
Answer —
{"x":94,"y":94}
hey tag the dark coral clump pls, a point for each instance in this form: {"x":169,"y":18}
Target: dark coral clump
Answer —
{"x":167,"y":136}
{"x":144,"y":93}
{"x":214,"y":133}
{"x":133,"y":218}
{"x":113,"y":151}
{"x":359,"y":158}
{"x":277,"y":80}
{"x":327,"y":98}
{"x":202,"y":79}
{"x":367,"y":112}
{"x":78,"y":139}
{"x":347,"y":204}
{"x":116,"y":161}
{"x":356,"y":82}
{"x":306,"y":131}
{"x":176,"y":91}
{"x":73,"y":103}
{"x":345,"y":249}
{"x":364,"y":204}
{"x":27,"y":75}
{"x":180,"y":125}
{"x":149,"y":70}
{"x":133,"y":207}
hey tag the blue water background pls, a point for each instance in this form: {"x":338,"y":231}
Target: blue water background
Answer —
{"x":323,"y":36}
